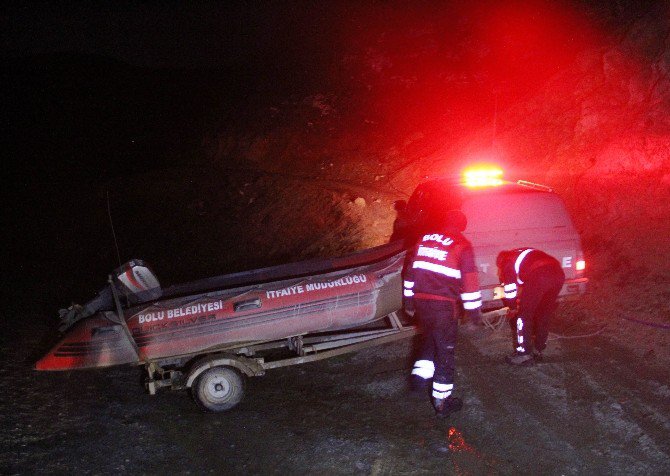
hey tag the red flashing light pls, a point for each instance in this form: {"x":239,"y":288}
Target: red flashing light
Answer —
{"x":483,"y":176}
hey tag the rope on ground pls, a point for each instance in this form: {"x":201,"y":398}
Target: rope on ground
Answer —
{"x":494,"y":323}
{"x":580,"y":336}
{"x":494,"y":320}
{"x":647,"y":323}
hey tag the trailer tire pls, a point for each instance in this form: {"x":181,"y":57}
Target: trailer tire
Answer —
{"x":218,"y":389}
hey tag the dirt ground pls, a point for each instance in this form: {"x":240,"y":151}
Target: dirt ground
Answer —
{"x":592,"y":407}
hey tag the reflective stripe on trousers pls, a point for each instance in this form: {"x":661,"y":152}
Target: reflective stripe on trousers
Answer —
{"x":424,"y":369}
{"x":442,"y":390}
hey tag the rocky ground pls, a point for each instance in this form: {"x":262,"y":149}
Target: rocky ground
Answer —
{"x":593,"y":406}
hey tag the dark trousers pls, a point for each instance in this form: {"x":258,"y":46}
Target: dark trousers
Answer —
{"x":537,"y":303}
{"x":439,"y":326}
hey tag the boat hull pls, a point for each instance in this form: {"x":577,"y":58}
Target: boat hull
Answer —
{"x":229,"y":318}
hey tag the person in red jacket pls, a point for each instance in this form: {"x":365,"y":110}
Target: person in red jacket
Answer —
{"x":440,"y":276}
{"x":531,"y":282}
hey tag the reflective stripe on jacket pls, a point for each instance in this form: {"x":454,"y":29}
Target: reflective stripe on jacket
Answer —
{"x":443,"y":265}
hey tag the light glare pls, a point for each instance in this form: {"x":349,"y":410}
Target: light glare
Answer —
{"x":483,"y":177}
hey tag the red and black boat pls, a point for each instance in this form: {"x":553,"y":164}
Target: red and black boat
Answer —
{"x":208,"y":328}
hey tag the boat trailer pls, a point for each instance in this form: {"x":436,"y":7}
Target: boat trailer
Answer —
{"x":217,"y":380}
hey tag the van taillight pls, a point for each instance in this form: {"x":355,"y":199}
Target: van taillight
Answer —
{"x":580,"y":265}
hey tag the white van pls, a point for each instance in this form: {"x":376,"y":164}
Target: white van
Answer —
{"x":501,"y":216}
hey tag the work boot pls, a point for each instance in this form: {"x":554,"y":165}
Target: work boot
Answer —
{"x":418,"y":384}
{"x":446,"y":406}
{"x":537,"y":356}
{"x":518,"y":358}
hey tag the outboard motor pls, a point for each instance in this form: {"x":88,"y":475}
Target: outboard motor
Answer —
{"x":137,"y":282}
{"x":134,"y":283}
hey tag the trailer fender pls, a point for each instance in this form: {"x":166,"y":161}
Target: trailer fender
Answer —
{"x":248,"y":367}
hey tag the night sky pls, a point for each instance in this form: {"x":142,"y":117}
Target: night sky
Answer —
{"x":407,"y":68}
{"x":211,"y":34}
{"x":403,"y":66}
{"x":170,"y":34}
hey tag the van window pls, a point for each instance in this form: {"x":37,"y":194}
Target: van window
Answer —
{"x":433,"y":195}
{"x":513,"y":211}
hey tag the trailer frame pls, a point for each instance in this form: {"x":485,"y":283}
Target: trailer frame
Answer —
{"x":183,"y":372}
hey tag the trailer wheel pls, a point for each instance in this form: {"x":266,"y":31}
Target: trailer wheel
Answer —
{"x":218,"y":389}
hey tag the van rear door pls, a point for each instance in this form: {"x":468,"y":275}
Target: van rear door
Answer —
{"x":501,"y":219}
